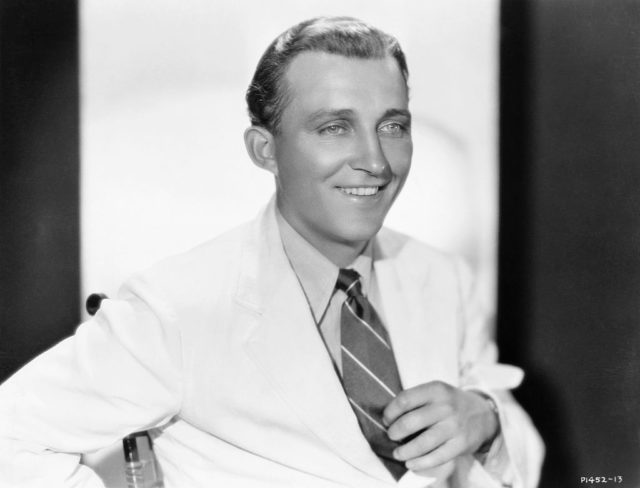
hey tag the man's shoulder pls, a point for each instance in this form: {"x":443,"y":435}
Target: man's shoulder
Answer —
{"x":396,"y":245}
{"x":420,"y":262}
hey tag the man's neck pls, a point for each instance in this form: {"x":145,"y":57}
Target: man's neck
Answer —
{"x":342,"y":254}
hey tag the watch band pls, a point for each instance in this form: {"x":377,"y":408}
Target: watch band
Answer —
{"x":486,"y":446}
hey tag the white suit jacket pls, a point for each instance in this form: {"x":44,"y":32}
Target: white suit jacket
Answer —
{"x":217,"y":347}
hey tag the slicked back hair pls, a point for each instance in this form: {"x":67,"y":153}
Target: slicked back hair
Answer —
{"x":267,"y":95}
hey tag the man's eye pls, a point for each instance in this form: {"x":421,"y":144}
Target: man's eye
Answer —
{"x":393,"y":128}
{"x":333,"y":130}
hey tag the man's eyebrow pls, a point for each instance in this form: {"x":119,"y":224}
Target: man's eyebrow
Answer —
{"x":330,"y":114}
{"x":393,"y":112}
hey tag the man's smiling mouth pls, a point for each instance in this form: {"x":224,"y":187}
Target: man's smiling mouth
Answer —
{"x":361,"y":191}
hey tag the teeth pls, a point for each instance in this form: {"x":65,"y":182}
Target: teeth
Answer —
{"x":361,"y":191}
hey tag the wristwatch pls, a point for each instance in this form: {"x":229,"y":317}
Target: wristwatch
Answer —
{"x":484,"y":448}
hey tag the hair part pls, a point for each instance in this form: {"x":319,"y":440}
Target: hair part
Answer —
{"x":267,"y":95}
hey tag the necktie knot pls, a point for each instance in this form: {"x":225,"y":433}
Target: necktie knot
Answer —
{"x":349,"y":282}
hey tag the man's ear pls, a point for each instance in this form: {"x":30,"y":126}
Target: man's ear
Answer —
{"x":260,"y":145}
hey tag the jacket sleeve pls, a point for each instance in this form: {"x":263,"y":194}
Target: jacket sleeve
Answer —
{"x":119,"y":373}
{"x":515,"y":457}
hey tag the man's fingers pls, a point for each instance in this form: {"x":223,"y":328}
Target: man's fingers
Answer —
{"x":442,"y":454}
{"x":416,"y":420}
{"x":440,"y":473}
{"x":412,"y":398}
{"x":424,"y":443}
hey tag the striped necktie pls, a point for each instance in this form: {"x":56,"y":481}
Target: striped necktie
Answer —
{"x":369,"y":370}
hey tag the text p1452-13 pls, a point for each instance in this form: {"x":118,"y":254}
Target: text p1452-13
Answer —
{"x":598,"y":480}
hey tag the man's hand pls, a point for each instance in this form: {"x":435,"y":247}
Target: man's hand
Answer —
{"x":448,"y":422}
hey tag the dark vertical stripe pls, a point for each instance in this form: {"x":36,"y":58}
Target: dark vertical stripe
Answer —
{"x":39,"y":171}
{"x":569,"y":259}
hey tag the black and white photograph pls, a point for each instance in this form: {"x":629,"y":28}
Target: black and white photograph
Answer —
{"x":319,"y":244}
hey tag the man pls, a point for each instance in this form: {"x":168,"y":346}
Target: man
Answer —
{"x":308,"y":348}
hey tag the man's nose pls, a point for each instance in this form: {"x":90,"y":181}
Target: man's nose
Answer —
{"x":370,"y":156}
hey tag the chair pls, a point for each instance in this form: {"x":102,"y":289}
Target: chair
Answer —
{"x":141,"y":466}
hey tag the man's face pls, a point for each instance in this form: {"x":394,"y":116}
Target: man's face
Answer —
{"x":344,"y":147}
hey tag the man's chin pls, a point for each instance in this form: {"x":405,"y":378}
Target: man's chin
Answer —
{"x":360,"y":232}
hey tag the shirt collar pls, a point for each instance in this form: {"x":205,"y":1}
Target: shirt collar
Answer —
{"x":317,"y":274}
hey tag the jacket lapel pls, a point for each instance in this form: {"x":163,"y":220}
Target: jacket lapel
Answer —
{"x":287,"y":346}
